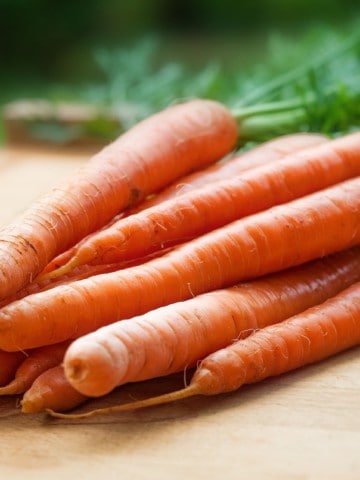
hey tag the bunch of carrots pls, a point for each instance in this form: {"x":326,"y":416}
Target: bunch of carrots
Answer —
{"x":168,"y":250}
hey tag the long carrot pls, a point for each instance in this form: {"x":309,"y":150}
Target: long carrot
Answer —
{"x":9,"y":362}
{"x":163,"y":147}
{"x":309,"y":337}
{"x":267,"y":152}
{"x":177,"y":336}
{"x":284,"y":236}
{"x":217,"y":204}
{"x":262,"y":154}
{"x":51,"y":390}
{"x":36,"y":362}
{"x":83,"y":271}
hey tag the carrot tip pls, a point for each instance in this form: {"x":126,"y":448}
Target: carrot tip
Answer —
{"x":60,"y":271}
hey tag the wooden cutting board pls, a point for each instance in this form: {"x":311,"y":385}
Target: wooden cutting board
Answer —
{"x":303,"y":425}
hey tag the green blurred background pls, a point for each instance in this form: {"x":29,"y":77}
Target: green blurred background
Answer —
{"x":57,"y":50}
{"x":45,"y":40}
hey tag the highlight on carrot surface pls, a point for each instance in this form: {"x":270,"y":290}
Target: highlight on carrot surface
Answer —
{"x":306,"y":338}
{"x":278,"y":238}
{"x":51,"y":390}
{"x":200,"y":211}
{"x":171,"y":143}
{"x":36,"y":362}
{"x":172,"y":338}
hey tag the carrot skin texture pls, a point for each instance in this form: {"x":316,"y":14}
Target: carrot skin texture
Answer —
{"x":268,"y":152}
{"x":37,"y":362}
{"x":265,"y":153}
{"x":51,"y":390}
{"x":9,"y":362}
{"x":177,"y":336}
{"x":217,"y":204}
{"x":309,"y":337}
{"x":171,"y":143}
{"x":278,"y":238}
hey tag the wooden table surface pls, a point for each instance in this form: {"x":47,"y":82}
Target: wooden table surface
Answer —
{"x":303,"y":425}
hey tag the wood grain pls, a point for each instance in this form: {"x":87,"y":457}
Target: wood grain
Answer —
{"x":303,"y":425}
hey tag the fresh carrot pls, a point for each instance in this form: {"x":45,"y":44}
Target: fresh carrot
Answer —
{"x":278,"y":238}
{"x":306,"y":338}
{"x":172,"y":338}
{"x":83,"y":271}
{"x":168,"y":145}
{"x":37,"y":362}
{"x":267,"y":152}
{"x":217,"y":204}
{"x":51,"y":390}
{"x":9,"y":362}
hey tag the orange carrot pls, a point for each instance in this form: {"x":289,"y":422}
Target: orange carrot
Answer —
{"x":37,"y":362}
{"x":174,"y":337}
{"x":284,"y":236}
{"x":9,"y":362}
{"x":309,"y":337}
{"x":217,"y":204}
{"x":267,"y":152}
{"x":83,"y":271}
{"x":262,"y":154}
{"x":168,"y":145}
{"x":51,"y":390}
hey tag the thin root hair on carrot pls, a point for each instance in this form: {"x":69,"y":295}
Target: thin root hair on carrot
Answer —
{"x":187,"y":392}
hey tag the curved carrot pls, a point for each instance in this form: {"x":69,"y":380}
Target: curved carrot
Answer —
{"x":163,"y":147}
{"x":262,"y":154}
{"x":51,"y":390}
{"x":309,"y":337}
{"x":267,"y":152}
{"x":217,"y":204}
{"x":9,"y":362}
{"x":37,"y":362}
{"x":284,"y":236}
{"x":172,"y":338}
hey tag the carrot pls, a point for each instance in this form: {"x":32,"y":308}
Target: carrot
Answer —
{"x":267,"y":152}
{"x":306,"y":338}
{"x":51,"y":390}
{"x":163,"y":147}
{"x":9,"y":362}
{"x":262,"y":154}
{"x":217,"y":204}
{"x":284,"y":236}
{"x":37,"y":362}
{"x":83,"y":271}
{"x":174,"y":337}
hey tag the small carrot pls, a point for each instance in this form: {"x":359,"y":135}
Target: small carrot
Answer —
{"x":177,"y":336}
{"x":9,"y":362}
{"x":306,"y":338}
{"x":278,"y":238}
{"x":217,"y":204}
{"x":51,"y":390}
{"x":143,"y":160}
{"x":37,"y":362}
{"x":267,"y":152}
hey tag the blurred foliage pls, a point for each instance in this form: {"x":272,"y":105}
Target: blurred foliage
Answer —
{"x":141,"y":55}
{"x":44,"y":39}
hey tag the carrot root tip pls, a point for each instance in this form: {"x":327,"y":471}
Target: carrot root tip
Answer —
{"x":187,"y":392}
